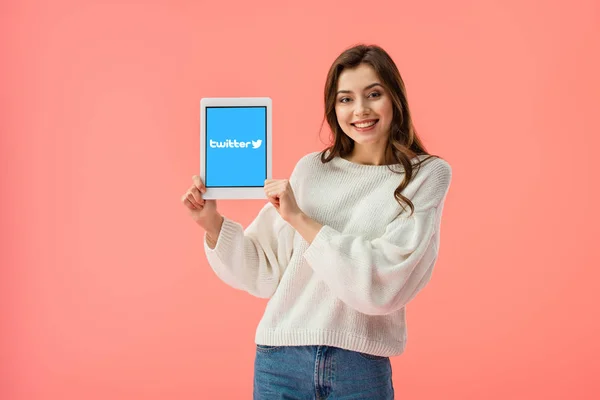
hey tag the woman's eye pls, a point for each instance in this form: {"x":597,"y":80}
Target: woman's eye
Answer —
{"x":347,"y":99}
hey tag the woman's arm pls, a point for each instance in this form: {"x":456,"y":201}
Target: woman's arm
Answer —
{"x":380,"y":276}
{"x":253,"y":259}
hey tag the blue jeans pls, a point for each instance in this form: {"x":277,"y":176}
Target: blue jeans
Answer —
{"x":320,"y":372}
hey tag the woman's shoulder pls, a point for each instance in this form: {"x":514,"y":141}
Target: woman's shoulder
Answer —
{"x":432,"y":181}
{"x":308,"y":161}
{"x":431,"y":164}
{"x":305,"y":166}
{"x":311,"y":157}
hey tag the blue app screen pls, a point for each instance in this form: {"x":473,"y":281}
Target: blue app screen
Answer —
{"x":236,"y":149}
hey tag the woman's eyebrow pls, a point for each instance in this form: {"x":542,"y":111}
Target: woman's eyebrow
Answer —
{"x":366,"y":88}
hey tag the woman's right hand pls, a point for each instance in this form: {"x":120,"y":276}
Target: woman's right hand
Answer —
{"x":204,"y":212}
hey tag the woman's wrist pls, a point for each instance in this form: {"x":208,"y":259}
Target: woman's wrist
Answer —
{"x":305,"y":226}
{"x":212,"y":228}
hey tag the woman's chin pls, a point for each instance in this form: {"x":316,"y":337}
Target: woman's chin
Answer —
{"x":365,"y":141}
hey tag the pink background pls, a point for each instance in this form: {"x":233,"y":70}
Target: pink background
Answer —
{"x":104,"y":289}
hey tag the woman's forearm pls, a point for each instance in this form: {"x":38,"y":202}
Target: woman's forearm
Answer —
{"x":213,"y":229}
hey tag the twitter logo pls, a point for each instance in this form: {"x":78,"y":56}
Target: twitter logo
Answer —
{"x":234,"y":144}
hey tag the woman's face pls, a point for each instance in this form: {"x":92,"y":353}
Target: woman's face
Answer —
{"x":363,"y":107}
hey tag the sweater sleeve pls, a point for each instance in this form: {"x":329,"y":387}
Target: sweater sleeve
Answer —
{"x":381,"y":276}
{"x":253,"y":259}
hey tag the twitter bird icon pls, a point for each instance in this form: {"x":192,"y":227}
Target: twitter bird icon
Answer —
{"x":256,"y":143}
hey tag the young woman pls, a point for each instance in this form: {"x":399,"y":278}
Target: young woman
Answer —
{"x":342,"y":246}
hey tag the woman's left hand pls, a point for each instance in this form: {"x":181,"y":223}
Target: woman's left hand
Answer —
{"x":279,"y":193}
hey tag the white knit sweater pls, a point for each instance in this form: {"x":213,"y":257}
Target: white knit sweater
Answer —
{"x":350,"y":286}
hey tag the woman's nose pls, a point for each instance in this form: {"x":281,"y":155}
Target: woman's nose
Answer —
{"x":361,"y":109}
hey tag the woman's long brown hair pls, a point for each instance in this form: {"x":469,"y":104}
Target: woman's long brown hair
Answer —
{"x":403,"y":142}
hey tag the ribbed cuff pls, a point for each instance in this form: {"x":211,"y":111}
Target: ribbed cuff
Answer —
{"x":226,"y":238}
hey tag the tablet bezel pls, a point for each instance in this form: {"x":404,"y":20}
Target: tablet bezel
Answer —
{"x":235,"y":192}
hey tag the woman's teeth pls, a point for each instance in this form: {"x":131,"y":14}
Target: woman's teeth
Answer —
{"x":365,"y":125}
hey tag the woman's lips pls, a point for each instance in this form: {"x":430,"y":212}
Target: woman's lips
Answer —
{"x":368,"y":128}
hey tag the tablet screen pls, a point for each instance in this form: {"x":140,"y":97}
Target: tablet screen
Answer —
{"x":236,"y":149}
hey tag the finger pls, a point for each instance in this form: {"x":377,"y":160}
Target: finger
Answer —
{"x":280,"y":185}
{"x":195,"y":192}
{"x":275,"y":186}
{"x":189,"y":204}
{"x":195,"y":202}
{"x":278,"y":182}
{"x":269,"y":185}
{"x":185,"y":199}
{"x":268,"y":189}
{"x":278,"y":190}
{"x":272,"y":182}
{"x":272,"y":192}
{"x":198,"y":183}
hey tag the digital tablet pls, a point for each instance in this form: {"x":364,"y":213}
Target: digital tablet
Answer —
{"x":235,"y":146}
